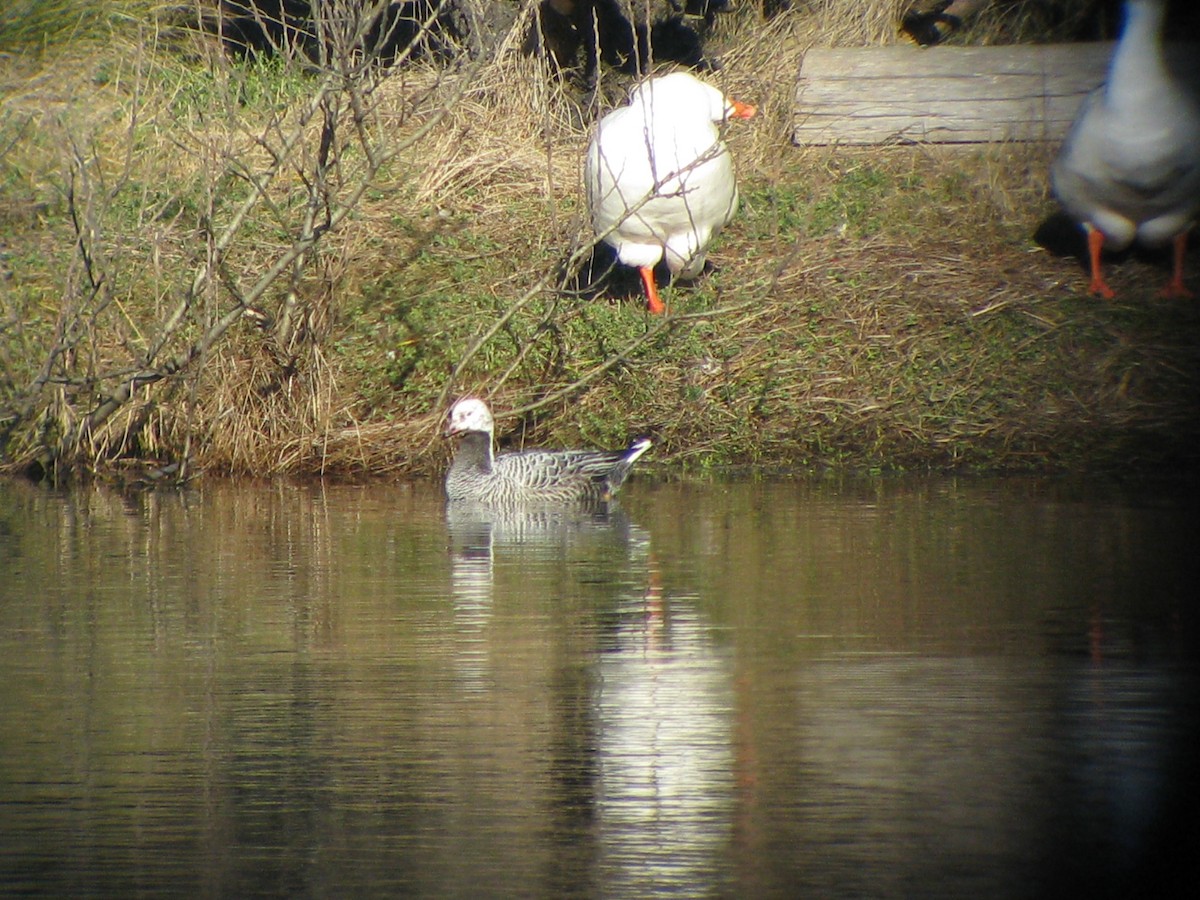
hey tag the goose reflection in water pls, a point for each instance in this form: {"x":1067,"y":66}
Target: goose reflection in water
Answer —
{"x":664,"y":713}
{"x":592,"y":540}
{"x":660,"y":697}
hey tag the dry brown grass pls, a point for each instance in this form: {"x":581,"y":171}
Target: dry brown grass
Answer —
{"x":873,"y":309}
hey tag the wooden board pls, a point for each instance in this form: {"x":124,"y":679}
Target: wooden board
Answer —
{"x":904,"y":94}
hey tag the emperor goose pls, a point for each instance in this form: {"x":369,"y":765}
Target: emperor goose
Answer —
{"x":1130,"y":165}
{"x":660,"y":180}
{"x":531,"y":476}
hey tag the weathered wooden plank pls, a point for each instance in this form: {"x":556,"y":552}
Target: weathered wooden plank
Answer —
{"x":902,"y":94}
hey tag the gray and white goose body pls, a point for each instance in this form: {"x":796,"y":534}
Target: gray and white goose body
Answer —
{"x":1129,"y":168}
{"x":532,"y":476}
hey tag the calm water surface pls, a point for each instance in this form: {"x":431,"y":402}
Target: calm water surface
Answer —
{"x":790,"y":689}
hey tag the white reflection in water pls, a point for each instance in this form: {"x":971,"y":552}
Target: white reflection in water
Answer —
{"x":664,"y":710}
{"x":472,"y":577}
{"x":530,"y":536}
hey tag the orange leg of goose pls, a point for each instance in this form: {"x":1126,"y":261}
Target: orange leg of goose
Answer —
{"x":1175,"y":287}
{"x":1098,"y":285}
{"x":656,"y":305}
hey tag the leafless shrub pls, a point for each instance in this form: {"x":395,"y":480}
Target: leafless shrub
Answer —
{"x":254,"y":221}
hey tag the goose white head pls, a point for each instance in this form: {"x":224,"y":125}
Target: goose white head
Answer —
{"x":467,"y":415}
{"x":682,"y":94}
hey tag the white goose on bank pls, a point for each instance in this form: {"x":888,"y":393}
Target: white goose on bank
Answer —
{"x":1129,"y":168}
{"x":532,"y":476}
{"x":660,"y":180}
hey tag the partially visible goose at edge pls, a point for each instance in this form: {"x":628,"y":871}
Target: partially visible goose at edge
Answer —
{"x":660,"y":180}
{"x":1129,"y":168}
{"x":531,"y":476}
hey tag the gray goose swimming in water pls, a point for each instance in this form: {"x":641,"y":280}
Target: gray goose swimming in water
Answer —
{"x":532,"y":476}
{"x":1130,"y":167}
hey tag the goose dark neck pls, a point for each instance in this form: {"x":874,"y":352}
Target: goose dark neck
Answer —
{"x":474,"y":453}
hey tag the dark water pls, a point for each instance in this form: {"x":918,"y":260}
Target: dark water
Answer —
{"x":927,"y":688}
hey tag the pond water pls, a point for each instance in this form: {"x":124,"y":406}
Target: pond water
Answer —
{"x":755,"y":689}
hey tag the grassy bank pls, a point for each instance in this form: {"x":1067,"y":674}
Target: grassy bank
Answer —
{"x":260,"y":269}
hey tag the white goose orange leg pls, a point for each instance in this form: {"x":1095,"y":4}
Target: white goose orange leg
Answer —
{"x":652,"y":300}
{"x":1175,"y":287}
{"x":1098,"y":285}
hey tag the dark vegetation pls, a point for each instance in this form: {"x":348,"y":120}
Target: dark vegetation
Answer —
{"x":628,"y":37}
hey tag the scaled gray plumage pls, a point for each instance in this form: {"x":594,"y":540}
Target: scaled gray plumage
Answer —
{"x":532,"y":476}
